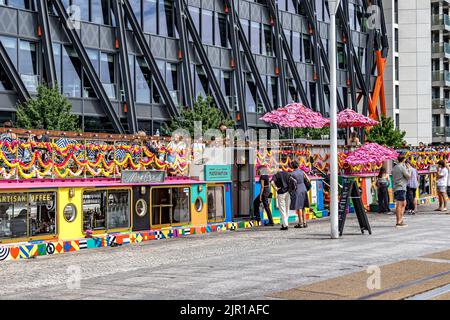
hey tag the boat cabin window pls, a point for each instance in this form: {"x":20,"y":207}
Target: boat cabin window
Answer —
{"x":170,"y":206}
{"x":216,"y":204}
{"x":27,"y":214}
{"x":106,"y":209}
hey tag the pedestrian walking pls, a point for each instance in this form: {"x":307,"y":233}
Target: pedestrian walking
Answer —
{"x":400,"y":176}
{"x":263,"y":197}
{"x":442,"y":185}
{"x":411,"y":190}
{"x":299,"y":195}
{"x":382,"y":188}
{"x":280,"y":182}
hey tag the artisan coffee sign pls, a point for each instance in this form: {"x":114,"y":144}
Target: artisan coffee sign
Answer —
{"x":217,"y":173}
{"x":23,"y":197}
{"x":143,"y":176}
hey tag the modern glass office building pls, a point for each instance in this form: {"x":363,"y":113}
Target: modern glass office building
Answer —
{"x":130,"y":65}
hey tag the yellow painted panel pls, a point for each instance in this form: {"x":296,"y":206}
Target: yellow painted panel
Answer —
{"x":70,"y":230}
{"x":199,"y":218}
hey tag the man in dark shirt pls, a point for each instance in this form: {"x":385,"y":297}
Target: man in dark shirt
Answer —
{"x":280,"y":181}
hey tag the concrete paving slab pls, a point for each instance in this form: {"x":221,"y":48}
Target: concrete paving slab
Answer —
{"x":354,"y":286}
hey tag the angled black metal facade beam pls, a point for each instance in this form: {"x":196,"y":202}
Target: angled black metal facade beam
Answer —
{"x":349,"y":53}
{"x":47,"y":46}
{"x":317,"y":55}
{"x":236,"y":54}
{"x":87,"y":66}
{"x":125,"y":67}
{"x":279,"y":52}
{"x":288,"y":52}
{"x":188,"y":92}
{"x":13,"y":75}
{"x":252,"y":64}
{"x":217,"y":92}
{"x":369,"y":65}
{"x":323,"y":52}
{"x":150,"y":60}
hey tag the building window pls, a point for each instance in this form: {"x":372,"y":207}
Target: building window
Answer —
{"x":155,"y":92}
{"x":57,"y":59}
{"x":341,"y":56}
{"x":195,"y":15}
{"x":207,"y":27}
{"x":83,"y":6}
{"x":100,"y":12}
{"x":397,"y":97}
{"x":28,"y":66}
{"x":272,"y":90}
{"x":149,"y":10}
{"x":107,"y":73}
{"x":255,"y":35}
{"x":27,"y":214}
{"x":201,"y":81}
{"x":221,"y":32}
{"x":250,"y":93}
{"x":88,"y":90}
{"x":307,"y":48}
{"x":166,"y":18}
{"x":296,"y":46}
{"x":143,"y":81}
{"x":396,"y":69}
{"x":268,"y":41}
{"x":396,"y":11}
{"x":10,"y":45}
{"x":71,"y":73}
{"x":106,"y":210}
{"x":172,"y":81}
{"x":216,"y":204}
{"x":170,"y":206}
{"x":20,"y":4}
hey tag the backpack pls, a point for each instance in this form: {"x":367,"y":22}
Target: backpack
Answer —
{"x":292,"y":184}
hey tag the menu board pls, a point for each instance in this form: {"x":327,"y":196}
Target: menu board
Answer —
{"x":351,"y":192}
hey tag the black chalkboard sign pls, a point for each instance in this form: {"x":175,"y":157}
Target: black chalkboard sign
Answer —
{"x":350,"y":191}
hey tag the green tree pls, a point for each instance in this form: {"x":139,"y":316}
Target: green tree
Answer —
{"x":204,"y":111}
{"x":49,"y":110}
{"x":386,"y":134}
{"x":311,"y":133}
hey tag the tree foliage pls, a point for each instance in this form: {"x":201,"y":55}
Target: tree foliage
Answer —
{"x":205,"y":111}
{"x":386,"y":134}
{"x":311,"y":133}
{"x":49,"y":110}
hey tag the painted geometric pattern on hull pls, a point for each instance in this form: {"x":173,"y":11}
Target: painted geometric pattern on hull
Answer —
{"x":43,"y":248}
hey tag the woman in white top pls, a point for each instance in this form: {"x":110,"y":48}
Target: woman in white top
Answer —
{"x":442,"y":185}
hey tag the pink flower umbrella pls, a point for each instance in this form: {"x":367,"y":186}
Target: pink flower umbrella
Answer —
{"x":351,"y":119}
{"x":296,"y":115}
{"x":371,"y":153}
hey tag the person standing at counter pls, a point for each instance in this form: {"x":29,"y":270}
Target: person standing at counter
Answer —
{"x":263,"y":197}
{"x":442,"y":185}
{"x":411,"y":189}
{"x":280,"y":181}
{"x":400,"y":176}
{"x":299,"y":196}
{"x":382,"y":188}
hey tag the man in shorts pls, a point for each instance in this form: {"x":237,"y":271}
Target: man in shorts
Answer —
{"x":401,"y":173}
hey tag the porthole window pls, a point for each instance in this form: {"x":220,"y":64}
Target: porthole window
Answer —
{"x":141,"y":208}
{"x":198,"y":204}
{"x":70,"y":212}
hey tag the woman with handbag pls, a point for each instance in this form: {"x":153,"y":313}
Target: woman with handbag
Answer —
{"x":263,"y":197}
{"x":299,"y":194}
{"x":383,"y":195}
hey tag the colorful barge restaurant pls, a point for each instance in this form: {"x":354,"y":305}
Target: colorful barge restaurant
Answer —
{"x":74,"y":191}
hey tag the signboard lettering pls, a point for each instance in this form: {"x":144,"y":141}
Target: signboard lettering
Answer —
{"x":143,"y":176}
{"x":218,"y":173}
